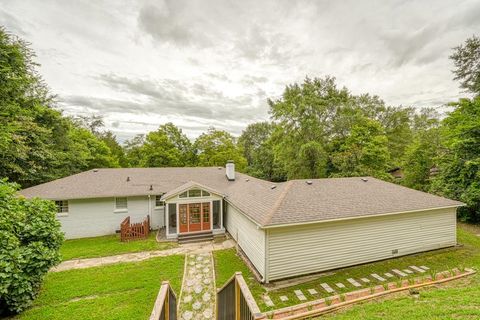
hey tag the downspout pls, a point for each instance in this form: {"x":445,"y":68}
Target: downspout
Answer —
{"x":150,"y":208}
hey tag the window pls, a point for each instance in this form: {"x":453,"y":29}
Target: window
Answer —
{"x":158,"y":201}
{"x":62,"y":207}
{"x":194,"y":193}
{"x":121,"y":204}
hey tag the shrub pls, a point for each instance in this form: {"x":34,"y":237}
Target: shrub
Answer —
{"x":30,"y":239}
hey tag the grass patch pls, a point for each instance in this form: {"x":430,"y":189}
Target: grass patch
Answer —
{"x":227,"y":263}
{"x":108,"y":246}
{"x":439,"y":260}
{"x":119,"y":291}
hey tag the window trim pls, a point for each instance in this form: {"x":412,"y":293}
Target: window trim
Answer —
{"x":62,"y":213}
{"x":186,"y":194}
{"x":118,"y":210}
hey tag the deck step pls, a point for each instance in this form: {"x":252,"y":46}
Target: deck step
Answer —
{"x":195,"y":237}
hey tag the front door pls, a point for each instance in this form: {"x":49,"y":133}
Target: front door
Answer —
{"x":194,"y":217}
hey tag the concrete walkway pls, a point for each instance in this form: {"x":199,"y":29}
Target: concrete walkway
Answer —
{"x":194,"y":248}
{"x":197,"y":299}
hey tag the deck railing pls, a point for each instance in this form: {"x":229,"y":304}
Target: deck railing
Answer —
{"x":133,"y":231}
{"x":165,"y":307}
{"x":235,"y":301}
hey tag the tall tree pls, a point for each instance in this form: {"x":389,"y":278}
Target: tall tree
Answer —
{"x":459,"y":162}
{"x":466,"y":59}
{"x":166,"y":147}
{"x":216,"y":147}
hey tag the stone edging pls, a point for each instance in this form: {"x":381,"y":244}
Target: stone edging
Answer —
{"x":320,"y":306}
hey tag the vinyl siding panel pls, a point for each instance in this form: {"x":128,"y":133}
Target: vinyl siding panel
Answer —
{"x":96,"y":217}
{"x":298,"y":250}
{"x":250,"y":238}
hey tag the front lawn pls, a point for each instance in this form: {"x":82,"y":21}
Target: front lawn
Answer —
{"x":119,"y":291}
{"x":108,"y":246}
{"x":468,"y":255}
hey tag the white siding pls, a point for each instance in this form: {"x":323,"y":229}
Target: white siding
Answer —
{"x":250,"y":238}
{"x":297,"y":250}
{"x":96,"y":217}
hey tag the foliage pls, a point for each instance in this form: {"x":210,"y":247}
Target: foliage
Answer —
{"x":459,"y":162}
{"x":166,"y":147}
{"x":466,"y":58}
{"x":30,"y":240}
{"x":216,"y":147}
{"x":108,"y":246}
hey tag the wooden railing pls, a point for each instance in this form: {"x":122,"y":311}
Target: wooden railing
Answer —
{"x":235,"y":301}
{"x":165,"y":307}
{"x":134,"y":231}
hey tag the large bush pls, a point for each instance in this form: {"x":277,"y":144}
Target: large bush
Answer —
{"x":30,"y":239}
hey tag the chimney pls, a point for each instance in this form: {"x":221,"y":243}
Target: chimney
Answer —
{"x":230,"y":170}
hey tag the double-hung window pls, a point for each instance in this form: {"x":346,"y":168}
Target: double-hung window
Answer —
{"x":62,"y":208}
{"x":158,"y":202}
{"x":121,"y":204}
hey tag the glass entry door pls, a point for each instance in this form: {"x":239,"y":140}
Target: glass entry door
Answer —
{"x":194,"y":217}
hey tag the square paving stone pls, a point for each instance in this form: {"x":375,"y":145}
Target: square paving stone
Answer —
{"x":283,"y":298}
{"x":407,"y":271}
{"x":388,"y":275}
{"x":398,"y":272}
{"x":417,"y":269}
{"x":425,"y":268}
{"x":340,"y":285}
{"x":376,"y":276}
{"x":312,"y":291}
{"x":327,"y":288}
{"x":365,"y":280}
{"x":354,"y":282}
{"x":268,"y":301}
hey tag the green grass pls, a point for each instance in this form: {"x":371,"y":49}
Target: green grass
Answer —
{"x":120,"y":291}
{"x":227,"y":263}
{"x":439,"y":260}
{"x":108,"y":246}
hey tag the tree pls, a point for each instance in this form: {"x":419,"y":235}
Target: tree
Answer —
{"x":363,"y":152}
{"x":118,"y":153}
{"x":216,"y":147}
{"x":466,"y":59}
{"x":459,"y":161}
{"x":31,"y":238}
{"x":133,"y":150}
{"x":255,"y":141}
{"x":166,"y":147}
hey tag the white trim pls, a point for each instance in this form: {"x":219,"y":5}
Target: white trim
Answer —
{"x":119,"y":210}
{"x":359,"y":217}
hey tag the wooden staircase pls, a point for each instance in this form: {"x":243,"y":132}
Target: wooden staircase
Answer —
{"x":195,"y":237}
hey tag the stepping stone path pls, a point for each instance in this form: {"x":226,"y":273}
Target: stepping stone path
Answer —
{"x":376,"y":276}
{"x":354,"y":282}
{"x":407,"y":271}
{"x":417,"y":269}
{"x":198,"y":291}
{"x":388,"y":275}
{"x":268,"y":301}
{"x":312,"y":291}
{"x":283,"y":298}
{"x":300,"y":295}
{"x":340,"y":285}
{"x":400,"y":273}
{"x":365,"y":280}
{"x":425,"y":268}
{"x":327,"y":288}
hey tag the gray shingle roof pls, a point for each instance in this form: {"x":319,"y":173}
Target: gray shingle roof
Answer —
{"x":289,"y":202}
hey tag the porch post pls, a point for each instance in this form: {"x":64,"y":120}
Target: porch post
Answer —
{"x":167,"y":223}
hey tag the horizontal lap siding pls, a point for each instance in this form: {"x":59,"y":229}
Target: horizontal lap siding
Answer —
{"x":250,"y":238}
{"x":297,"y":250}
{"x":96,"y":217}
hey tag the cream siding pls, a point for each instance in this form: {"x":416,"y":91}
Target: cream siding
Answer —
{"x":248,"y":236}
{"x":297,"y":250}
{"x":96,"y":217}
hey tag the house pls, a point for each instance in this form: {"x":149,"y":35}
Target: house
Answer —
{"x":285,"y":229}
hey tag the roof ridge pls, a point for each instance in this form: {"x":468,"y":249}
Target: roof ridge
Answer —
{"x":276,"y":205}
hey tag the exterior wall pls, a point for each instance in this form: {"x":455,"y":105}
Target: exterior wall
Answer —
{"x":250,"y":238}
{"x":96,"y":217}
{"x":297,"y":250}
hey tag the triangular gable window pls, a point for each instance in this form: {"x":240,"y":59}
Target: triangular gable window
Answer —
{"x":194,"y":193}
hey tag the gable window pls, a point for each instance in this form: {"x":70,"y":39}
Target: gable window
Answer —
{"x":121,"y":204}
{"x":62,"y":207}
{"x":194,"y":193}
{"x":159,"y":202}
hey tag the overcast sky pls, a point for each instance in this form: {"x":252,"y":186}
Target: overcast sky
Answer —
{"x":214,"y":63}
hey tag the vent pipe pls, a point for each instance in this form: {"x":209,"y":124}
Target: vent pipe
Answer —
{"x":230,"y":170}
